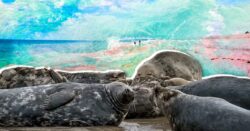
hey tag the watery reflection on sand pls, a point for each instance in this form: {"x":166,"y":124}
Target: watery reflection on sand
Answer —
{"x":156,"y":124}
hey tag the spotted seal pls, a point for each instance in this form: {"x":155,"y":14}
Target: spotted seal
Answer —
{"x":65,"y":104}
{"x":23,"y":76}
{"x":235,"y":90}
{"x":194,"y":113}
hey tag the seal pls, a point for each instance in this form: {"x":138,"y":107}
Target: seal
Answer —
{"x":175,"y":82}
{"x":194,"y":113}
{"x":169,"y":64}
{"x":24,"y":76}
{"x":89,"y":77}
{"x":235,"y":90}
{"x":65,"y":104}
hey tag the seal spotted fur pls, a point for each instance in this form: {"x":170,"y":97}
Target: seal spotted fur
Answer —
{"x":65,"y":104}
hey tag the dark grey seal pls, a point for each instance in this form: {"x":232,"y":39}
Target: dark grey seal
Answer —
{"x":65,"y":104}
{"x":234,"y":89}
{"x":194,"y":113}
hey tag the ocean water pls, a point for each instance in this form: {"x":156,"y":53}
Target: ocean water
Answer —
{"x":219,"y":55}
{"x":99,"y":34}
{"x":44,"y":52}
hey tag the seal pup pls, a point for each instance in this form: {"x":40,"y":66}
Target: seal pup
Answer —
{"x":194,"y":113}
{"x":65,"y":104}
{"x":234,"y":89}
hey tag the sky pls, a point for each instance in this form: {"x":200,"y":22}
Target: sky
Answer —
{"x":105,"y":19}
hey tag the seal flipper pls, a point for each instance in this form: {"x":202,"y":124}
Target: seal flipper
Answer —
{"x":58,"y":99}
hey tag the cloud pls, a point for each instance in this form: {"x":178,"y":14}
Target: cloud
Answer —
{"x":101,"y":19}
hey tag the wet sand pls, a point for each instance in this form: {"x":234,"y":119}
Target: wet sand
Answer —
{"x":156,"y":124}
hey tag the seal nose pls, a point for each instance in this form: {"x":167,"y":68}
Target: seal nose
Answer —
{"x":127,"y":96}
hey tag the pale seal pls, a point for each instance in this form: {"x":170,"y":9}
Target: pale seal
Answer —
{"x":175,"y":82}
{"x":168,"y":64}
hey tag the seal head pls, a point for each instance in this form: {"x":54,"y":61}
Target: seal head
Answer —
{"x":120,"y":95}
{"x":165,"y":96}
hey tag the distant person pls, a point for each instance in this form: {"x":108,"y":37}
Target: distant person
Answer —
{"x":139,"y":42}
{"x":247,"y":32}
{"x":134,"y":42}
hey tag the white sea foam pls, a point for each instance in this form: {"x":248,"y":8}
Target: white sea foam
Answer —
{"x":225,"y":75}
